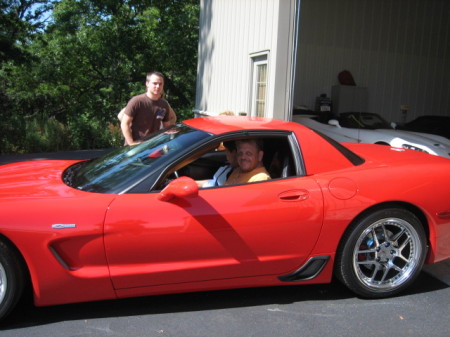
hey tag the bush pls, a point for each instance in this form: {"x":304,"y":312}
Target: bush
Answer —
{"x":45,"y":136}
{"x":11,"y":135}
{"x":50,"y":135}
{"x":183,"y":114}
{"x":90,"y":132}
{"x":81,"y":132}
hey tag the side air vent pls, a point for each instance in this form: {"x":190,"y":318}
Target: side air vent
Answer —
{"x":308,"y":271}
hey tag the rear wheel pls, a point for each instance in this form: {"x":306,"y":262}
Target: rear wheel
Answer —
{"x":382,"y":254}
{"x":12,"y":279}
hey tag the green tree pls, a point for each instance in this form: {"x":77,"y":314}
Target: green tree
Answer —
{"x":90,"y":56}
{"x":20,"y":22}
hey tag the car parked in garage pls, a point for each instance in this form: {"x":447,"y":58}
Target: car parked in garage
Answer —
{"x":366,"y":127}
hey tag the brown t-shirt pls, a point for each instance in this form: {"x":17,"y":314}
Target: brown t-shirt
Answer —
{"x":147,"y":115}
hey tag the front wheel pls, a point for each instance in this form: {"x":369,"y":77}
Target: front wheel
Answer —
{"x":12,"y":279}
{"x":382,"y":254}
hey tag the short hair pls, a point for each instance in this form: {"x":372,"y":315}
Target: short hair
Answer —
{"x":258,"y":142}
{"x":156,"y":73}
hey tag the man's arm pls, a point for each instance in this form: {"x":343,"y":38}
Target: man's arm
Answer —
{"x":120,"y":115}
{"x":172,"y":118}
{"x":125,"y":125}
{"x":259,"y":177}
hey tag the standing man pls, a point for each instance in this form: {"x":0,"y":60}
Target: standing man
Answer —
{"x":249,"y":156}
{"x":144,"y":113}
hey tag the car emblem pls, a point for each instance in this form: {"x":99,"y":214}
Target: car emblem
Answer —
{"x":62,"y":226}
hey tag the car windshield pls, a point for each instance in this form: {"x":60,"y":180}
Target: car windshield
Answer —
{"x":121,"y":168}
{"x":362,"y":120}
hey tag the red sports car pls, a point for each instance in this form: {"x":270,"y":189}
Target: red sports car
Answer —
{"x":135,"y":223}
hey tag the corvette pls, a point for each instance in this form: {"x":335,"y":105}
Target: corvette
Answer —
{"x":366,"y":127}
{"x":135,"y":223}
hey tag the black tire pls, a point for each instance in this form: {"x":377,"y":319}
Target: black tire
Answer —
{"x":381,"y":254}
{"x":12,"y":279}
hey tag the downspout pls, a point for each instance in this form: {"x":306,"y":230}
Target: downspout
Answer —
{"x":294,"y":54}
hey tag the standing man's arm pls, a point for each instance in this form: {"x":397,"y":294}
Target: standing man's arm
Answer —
{"x":172,"y":118}
{"x":125,"y":125}
{"x":120,"y":115}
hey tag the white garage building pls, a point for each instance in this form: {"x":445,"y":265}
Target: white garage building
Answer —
{"x":268,"y":57}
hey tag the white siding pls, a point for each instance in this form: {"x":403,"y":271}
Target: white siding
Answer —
{"x":398,"y":49}
{"x":230,"y":31}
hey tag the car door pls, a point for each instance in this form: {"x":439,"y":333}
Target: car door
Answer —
{"x":266,"y":228}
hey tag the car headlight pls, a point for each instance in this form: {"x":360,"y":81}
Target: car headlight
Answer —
{"x":406,"y":144}
{"x":412,"y":147}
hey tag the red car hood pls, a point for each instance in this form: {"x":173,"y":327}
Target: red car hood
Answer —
{"x":34,"y":179}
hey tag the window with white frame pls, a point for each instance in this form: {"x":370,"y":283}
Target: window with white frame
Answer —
{"x":259,"y":84}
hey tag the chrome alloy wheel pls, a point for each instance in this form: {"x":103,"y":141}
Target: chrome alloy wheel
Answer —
{"x":3,"y":283}
{"x":387,"y":253}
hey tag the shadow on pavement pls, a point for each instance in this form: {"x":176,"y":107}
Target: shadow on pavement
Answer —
{"x":26,"y":315}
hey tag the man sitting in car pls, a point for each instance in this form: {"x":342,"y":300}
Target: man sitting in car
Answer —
{"x":249,"y":157}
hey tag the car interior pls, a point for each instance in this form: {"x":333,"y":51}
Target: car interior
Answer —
{"x":278,"y":161}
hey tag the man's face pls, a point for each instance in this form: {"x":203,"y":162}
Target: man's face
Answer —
{"x":155,"y":85}
{"x":248,"y":156}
